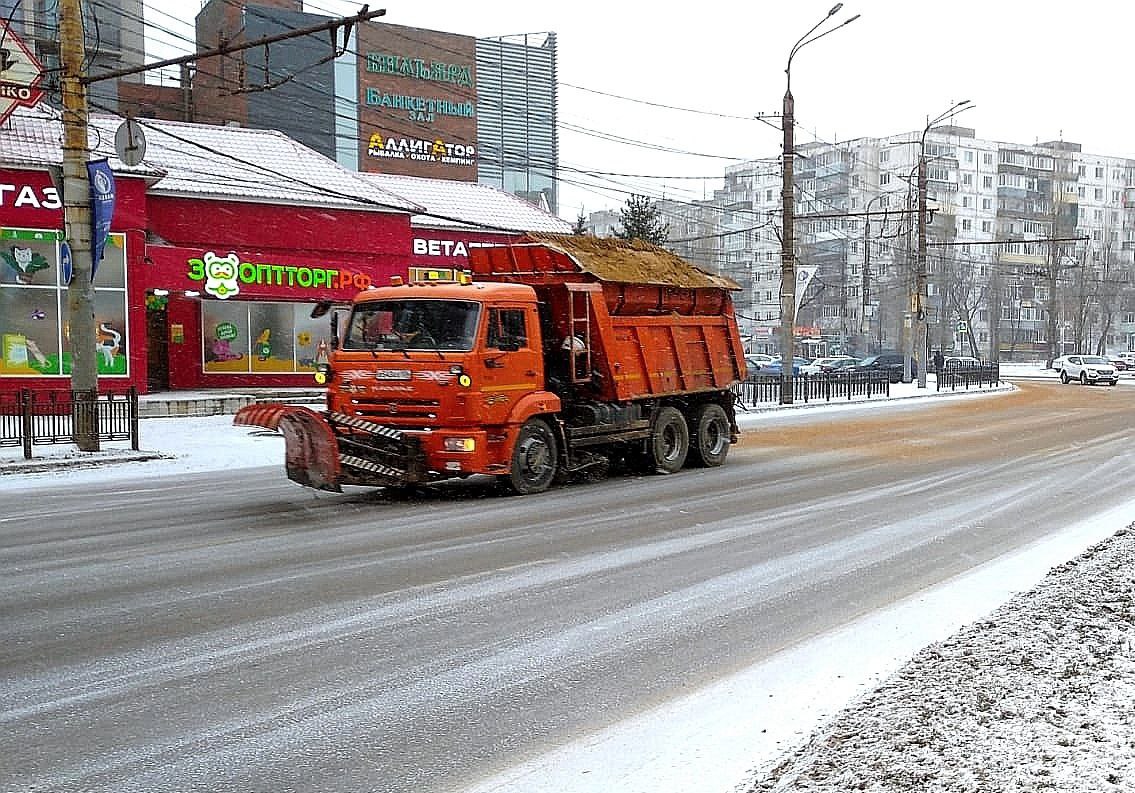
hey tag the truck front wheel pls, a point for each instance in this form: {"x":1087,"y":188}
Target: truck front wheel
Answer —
{"x":670,"y":441}
{"x":710,"y":443}
{"x":534,"y":458}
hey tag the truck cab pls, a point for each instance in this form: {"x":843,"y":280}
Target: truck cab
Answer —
{"x":459,"y":365}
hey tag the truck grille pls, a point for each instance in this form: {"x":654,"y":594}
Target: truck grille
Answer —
{"x":396,"y":411}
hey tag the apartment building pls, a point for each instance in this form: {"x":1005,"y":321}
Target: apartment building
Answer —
{"x":1025,"y":243}
{"x":112,"y":33}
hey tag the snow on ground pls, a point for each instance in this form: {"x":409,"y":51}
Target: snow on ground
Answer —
{"x":1035,"y":697}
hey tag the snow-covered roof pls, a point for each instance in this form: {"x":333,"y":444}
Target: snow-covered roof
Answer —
{"x":449,"y":204}
{"x":205,"y":160}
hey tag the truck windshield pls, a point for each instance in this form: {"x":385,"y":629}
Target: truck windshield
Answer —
{"x":413,"y":325}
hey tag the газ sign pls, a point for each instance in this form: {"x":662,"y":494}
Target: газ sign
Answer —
{"x":20,"y":73}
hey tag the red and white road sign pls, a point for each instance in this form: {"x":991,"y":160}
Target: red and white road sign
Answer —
{"x":20,"y":73}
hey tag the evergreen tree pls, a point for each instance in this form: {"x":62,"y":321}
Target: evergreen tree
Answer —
{"x":580,"y":227}
{"x":642,"y":220}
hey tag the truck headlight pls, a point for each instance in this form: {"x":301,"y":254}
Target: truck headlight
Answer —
{"x":460,"y":444}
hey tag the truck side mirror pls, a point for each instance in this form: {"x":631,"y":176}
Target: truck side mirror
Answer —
{"x":334,"y":329}
{"x":320,"y":308}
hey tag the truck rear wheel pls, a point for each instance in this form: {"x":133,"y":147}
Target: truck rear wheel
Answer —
{"x":710,"y":443}
{"x":669,"y":441}
{"x":534,"y":458}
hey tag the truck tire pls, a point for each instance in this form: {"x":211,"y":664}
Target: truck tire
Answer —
{"x":534,"y":459}
{"x":710,"y":443}
{"x":669,"y":441}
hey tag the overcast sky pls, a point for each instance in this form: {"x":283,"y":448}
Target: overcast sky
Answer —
{"x":1034,"y":72}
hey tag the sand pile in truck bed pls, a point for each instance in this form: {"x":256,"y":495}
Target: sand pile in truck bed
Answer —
{"x":632,"y":262}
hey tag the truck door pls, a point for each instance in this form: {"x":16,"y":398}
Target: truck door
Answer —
{"x":513,"y":363}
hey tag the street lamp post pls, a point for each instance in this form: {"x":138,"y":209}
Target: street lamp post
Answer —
{"x":919,"y":298}
{"x":788,"y":208}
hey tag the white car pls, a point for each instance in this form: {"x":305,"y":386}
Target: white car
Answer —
{"x":818,"y":364}
{"x":1088,"y":369}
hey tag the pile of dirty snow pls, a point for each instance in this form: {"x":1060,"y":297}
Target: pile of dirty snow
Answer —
{"x":1038,"y":697}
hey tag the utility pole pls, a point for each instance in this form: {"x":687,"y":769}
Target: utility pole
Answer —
{"x":788,"y":208}
{"x":1054,"y":263}
{"x":787,"y":253}
{"x":77,"y":227}
{"x":918,"y":305}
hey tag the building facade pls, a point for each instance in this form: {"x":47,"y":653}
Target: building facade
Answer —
{"x":222,"y":241}
{"x":112,"y":32}
{"x":395,"y":99}
{"x":1029,"y":247}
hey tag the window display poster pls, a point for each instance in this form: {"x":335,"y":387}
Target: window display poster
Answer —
{"x":224,"y":328}
{"x":110,"y":334}
{"x":272,"y":330}
{"x":29,"y":332}
{"x":28,"y":258}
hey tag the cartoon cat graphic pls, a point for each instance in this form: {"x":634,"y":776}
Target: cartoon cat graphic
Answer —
{"x":108,"y":344}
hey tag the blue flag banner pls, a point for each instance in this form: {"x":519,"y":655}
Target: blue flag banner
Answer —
{"x":102,"y":208}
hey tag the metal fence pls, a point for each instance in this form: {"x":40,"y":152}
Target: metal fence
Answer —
{"x":764,"y":388}
{"x":966,"y":377}
{"x":32,"y":418}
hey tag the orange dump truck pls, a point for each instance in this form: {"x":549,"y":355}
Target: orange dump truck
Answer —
{"x":552,"y":357}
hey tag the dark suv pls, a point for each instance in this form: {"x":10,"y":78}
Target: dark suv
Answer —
{"x":889,"y":362}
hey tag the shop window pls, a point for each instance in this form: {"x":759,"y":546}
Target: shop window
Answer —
{"x":224,"y":331}
{"x":272,"y":331}
{"x":310,"y":336}
{"x":111,"y":271}
{"x":33,"y":301}
{"x":29,"y":331}
{"x":261,"y":338}
{"x":110,"y":333}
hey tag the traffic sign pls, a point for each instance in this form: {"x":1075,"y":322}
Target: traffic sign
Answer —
{"x":20,"y":73}
{"x":963,"y":327}
{"x":66,"y":263}
{"x":130,"y":142}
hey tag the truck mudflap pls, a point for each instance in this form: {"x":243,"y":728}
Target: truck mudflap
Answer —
{"x":325,"y":450}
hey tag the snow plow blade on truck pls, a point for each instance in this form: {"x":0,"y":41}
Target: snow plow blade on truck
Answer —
{"x":325,"y":450}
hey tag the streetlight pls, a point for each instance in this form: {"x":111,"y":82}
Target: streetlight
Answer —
{"x":919,"y":298}
{"x":788,"y":205}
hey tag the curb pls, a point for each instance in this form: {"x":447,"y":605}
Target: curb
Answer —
{"x":98,"y":460}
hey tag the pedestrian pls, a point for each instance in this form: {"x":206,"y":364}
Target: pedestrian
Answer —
{"x":937,"y":361}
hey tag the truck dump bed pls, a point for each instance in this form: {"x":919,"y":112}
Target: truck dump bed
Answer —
{"x":654,"y":324}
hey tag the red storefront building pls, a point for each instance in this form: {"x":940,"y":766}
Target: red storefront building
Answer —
{"x":221,"y":243}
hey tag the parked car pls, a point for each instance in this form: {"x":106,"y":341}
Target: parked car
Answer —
{"x":818,"y":364}
{"x":1127,"y":357}
{"x":841,"y":365}
{"x":960,"y":362}
{"x":1120,"y":364}
{"x":1088,"y":369}
{"x":889,"y":362}
{"x":755,"y":361}
{"x":775,"y":367}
